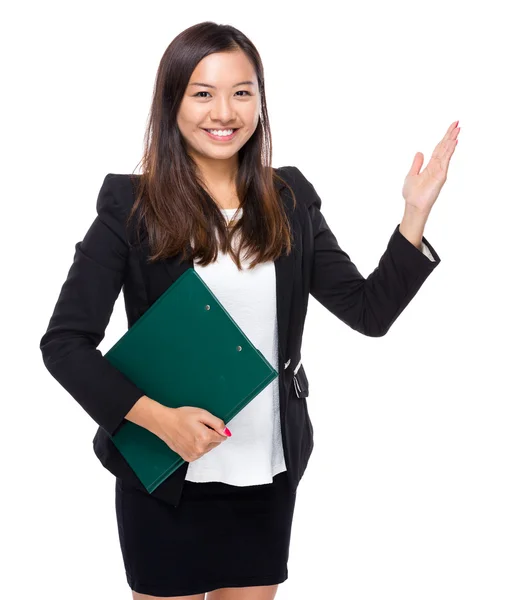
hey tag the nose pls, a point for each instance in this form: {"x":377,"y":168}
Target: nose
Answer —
{"x":222,"y":112}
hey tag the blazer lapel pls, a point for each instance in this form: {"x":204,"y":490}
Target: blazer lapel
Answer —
{"x":284,"y":275}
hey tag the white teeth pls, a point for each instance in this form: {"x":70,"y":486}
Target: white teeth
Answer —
{"x":220,"y":131}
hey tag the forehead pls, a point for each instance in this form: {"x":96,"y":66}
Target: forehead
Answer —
{"x":224,"y":69}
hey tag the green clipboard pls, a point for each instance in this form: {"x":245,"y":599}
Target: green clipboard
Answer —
{"x":185,"y":350}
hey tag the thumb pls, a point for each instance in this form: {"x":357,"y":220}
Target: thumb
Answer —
{"x":214,"y":422}
{"x":416,"y":164}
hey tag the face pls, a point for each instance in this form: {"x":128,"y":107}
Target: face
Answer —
{"x":226,"y":101}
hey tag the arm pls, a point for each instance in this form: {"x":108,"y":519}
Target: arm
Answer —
{"x":412,"y":226}
{"x":82,"y":313}
{"x":368,"y":305}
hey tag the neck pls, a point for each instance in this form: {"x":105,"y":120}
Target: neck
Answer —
{"x":218,"y":174}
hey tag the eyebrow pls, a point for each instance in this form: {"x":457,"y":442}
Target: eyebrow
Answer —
{"x":213,"y":86}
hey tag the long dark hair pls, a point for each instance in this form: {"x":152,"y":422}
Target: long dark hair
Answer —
{"x":179,"y":213}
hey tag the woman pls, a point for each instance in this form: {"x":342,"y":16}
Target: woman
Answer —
{"x":209,"y":198}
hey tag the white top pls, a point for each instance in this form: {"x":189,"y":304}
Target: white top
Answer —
{"x":253,"y":455}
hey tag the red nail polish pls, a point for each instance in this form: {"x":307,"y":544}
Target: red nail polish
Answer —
{"x":227,"y":432}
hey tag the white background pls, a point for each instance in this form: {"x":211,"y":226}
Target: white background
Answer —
{"x":413,"y":488}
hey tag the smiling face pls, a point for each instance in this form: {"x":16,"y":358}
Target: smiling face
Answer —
{"x":230,"y":99}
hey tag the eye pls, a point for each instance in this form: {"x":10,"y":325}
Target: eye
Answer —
{"x":240,"y":91}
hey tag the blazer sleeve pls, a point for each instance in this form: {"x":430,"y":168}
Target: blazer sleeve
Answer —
{"x":82,"y":312}
{"x":368,"y":305}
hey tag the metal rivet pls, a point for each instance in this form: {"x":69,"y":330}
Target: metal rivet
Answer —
{"x":207,"y":307}
{"x":239,"y":348}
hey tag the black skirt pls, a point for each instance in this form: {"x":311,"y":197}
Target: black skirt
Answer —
{"x":219,"y":536}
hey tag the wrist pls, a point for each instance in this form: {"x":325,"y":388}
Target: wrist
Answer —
{"x":147,"y":413}
{"x":413,"y":213}
{"x":413,"y":225}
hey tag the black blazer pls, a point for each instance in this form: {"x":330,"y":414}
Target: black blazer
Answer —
{"x":107,"y":260}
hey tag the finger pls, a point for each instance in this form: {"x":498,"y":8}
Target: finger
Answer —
{"x":444,"y":149}
{"x":447,"y":143}
{"x":211,"y":420}
{"x":450,"y":144}
{"x":451,"y":128}
{"x":446,"y":156}
{"x":416,"y":164}
{"x":216,"y":434}
{"x":450,"y":133}
{"x":454,"y":133}
{"x":211,"y":446}
{"x":450,"y":151}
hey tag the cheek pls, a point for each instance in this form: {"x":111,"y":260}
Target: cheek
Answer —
{"x":188,"y":127}
{"x":256,"y":119}
{"x":188,"y":117}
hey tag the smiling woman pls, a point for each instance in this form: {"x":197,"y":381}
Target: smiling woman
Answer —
{"x":221,"y":523}
{"x":230,"y":534}
{"x":209,"y":110}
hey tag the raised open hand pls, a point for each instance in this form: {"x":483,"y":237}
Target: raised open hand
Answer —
{"x":420,"y":190}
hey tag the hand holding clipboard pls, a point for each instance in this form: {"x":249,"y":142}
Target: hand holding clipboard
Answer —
{"x":185,"y":351}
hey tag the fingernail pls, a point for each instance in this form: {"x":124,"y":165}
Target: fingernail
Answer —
{"x":227,"y":432}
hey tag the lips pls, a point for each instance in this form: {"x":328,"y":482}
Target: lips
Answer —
{"x":223,"y":138}
{"x":232,"y":128}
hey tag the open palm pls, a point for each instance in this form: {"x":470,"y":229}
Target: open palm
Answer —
{"x":420,"y":190}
